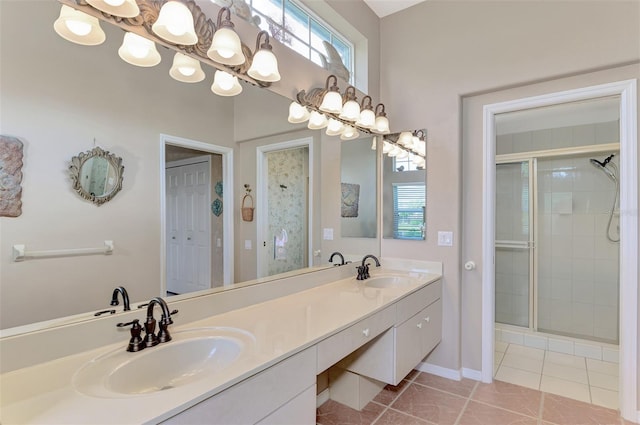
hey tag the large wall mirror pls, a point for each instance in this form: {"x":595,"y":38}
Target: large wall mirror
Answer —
{"x":88,"y":93}
{"x":404,"y":186}
{"x":358,"y":188}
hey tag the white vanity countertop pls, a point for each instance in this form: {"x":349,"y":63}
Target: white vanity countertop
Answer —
{"x":281,"y":327}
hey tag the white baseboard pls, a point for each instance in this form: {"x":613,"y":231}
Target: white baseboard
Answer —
{"x":476,"y":375}
{"x":439,"y":371}
{"x":322,"y":398}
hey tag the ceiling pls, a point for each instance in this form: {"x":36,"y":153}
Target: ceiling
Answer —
{"x":383,"y":8}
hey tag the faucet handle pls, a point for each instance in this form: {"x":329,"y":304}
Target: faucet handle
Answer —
{"x":135,"y":343}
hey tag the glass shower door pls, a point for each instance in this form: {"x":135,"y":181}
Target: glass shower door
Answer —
{"x":514,"y":246}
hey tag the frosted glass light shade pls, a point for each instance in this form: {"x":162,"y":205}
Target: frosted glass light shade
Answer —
{"x":402,"y":154}
{"x":350,"y":111}
{"x":298,"y":113}
{"x":405,"y":139}
{"x":394,"y":151}
{"x":175,"y":24}
{"x":382,"y":125}
{"x":387,"y":147}
{"x":122,"y":8}
{"x":225,"y":84}
{"x":317,"y":121}
{"x":264,"y":66}
{"x":334,"y":128}
{"x":367,"y":119}
{"x":138,"y":51}
{"x":331,"y":102}
{"x":349,"y":133}
{"x":78,"y":27}
{"x":186,"y":69}
{"x":226,"y":47}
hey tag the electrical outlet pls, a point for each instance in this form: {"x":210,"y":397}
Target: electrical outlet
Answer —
{"x":445,"y":238}
{"x":247,"y":244}
{"x":327,"y":234}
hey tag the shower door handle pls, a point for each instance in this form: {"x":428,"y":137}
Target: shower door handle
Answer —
{"x":514,"y":244}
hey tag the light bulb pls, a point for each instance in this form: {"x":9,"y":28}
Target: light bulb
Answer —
{"x":225,"y":80}
{"x":187,"y":71}
{"x":114,"y":3}
{"x":225,"y":84}
{"x":78,"y":28}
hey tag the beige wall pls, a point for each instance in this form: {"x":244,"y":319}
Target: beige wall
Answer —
{"x":455,"y":49}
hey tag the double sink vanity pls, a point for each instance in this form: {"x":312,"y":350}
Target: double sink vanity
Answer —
{"x":236,"y":362}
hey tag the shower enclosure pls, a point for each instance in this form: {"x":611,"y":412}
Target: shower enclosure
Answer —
{"x":557,"y":231}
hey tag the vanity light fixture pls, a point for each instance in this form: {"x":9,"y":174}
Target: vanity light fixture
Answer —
{"x":373,"y":144}
{"x":331,"y":101}
{"x":386,"y":147}
{"x":349,"y":133}
{"x":186,"y":69}
{"x":78,"y":27}
{"x":382,"y":122}
{"x":328,"y":101}
{"x":175,"y":24}
{"x":264,"y":66}
{"x":298,"y":113}
{"x":138,"y":51}
{"x":367,"y":117}
{"x":121,"y":8}
{"x":351,"y":107}
{"x":334,"y":127}
{"x":225,"y":84}
{"x":317,"y":121}
{"x":226,"y":47}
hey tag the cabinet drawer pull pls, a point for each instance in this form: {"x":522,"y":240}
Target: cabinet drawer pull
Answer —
{"x":365,"y":332}
{"x":427,"y":319}
{"x":419,"y":325}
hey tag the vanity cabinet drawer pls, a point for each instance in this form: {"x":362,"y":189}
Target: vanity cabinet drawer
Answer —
{"x":415,"y":302}
{"x":416,"y":337}
{"x":392,"y":355}
{"x":336,"y":347}
{"x":256,"y":398}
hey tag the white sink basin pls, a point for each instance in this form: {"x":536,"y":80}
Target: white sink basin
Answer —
{"x":190,"y":356}
{"x":387,"y":281}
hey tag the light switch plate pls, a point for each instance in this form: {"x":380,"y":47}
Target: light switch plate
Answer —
{"x":445,"y":238}
{"x":327,"y":234}
{"x":247,"y":244}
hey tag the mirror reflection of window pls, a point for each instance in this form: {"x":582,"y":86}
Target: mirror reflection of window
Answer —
{"x":403,"y":196}
{"x":408,"y":211}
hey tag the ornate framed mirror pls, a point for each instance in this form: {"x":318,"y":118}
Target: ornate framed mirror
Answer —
{"x":96,"y":175}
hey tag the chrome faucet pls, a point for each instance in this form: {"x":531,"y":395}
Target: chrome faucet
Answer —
{"x":363,"y":270}
{"x":339,"y":255}
{"x":150,"y":338}
{"x":125,"y":297}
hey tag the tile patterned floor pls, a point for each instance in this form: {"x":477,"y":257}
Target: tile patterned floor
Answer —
{"x":579,"y":378}
{"x":423,"y":398}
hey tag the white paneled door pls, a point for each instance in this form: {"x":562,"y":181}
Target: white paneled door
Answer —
{"x":188,"y":198}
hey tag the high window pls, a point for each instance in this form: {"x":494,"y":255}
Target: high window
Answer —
{"x":300,"y":29}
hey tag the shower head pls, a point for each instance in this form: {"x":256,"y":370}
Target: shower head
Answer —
{"x":603,"y":166}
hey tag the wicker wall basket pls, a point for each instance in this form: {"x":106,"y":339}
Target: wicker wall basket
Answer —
{"x":247,"y":212}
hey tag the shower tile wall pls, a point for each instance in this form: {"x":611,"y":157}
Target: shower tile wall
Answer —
{"x":577,"y":291}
